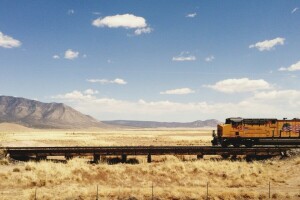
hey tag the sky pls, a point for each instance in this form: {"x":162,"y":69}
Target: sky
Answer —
{"x":168,"y":60}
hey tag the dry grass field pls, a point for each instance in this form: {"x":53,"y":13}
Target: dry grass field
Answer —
{"x":172,"y":177}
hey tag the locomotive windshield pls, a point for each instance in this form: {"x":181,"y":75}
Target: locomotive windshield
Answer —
{"x":250,"y":121}
{"x":234,"y":121}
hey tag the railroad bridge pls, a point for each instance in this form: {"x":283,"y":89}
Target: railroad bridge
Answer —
{"x":39,"y":153}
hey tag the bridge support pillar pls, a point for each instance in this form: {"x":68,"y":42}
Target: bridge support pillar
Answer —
{"x":68,"y":157}
{"x":149,"y":159}
{"x":96,"y":158}
{"x":124,"y":158}
{"x":249,"y":158}
{"x":234,"y":157}
{"x":199,"y":156}
{"x":39,"y":158}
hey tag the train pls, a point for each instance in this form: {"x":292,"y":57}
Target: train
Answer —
{"x":248,"y":132}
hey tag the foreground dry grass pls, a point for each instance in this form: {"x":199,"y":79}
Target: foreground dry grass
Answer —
{"x":172,"y":177}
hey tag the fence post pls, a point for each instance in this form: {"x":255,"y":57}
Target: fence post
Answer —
{"x":97,"y":193}
{"x":269,"y":189}
{"x":152,"y":191}
{"x":35,"y":194}
{"x":207,"y":191}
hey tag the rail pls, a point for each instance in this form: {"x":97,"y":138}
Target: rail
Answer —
{"x":97,"y":151}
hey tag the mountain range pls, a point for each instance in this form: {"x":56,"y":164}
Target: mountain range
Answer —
{"x":35,"y":114}
{"x":153,"y":124}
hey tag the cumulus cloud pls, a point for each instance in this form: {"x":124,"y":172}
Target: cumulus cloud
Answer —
{"x":268,"y":45}
{"x":180,"y":91}
{"x":55,"y":57}
{"x":281,"y":95}
{"x":184,"y":56}
{"x":91,"y":91}
{"x":96,"y":13}
{"x":71,"y":12}
{"x":70,"y":54}
{"x":209,"y":58}
{"x":106,"y":81}
{"x":8,"y":42}
{"x":191,"y":15}
{"x":293,"y":67}
{"x":127,"y":21}
{"x":240,"y":85}
{"x":139,"y":31}
{"x":294,"y":10}
{"x":261,"y":104}
{"x":73,"y":96}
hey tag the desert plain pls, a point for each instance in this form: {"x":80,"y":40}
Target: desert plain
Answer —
{"x":167,"y":177}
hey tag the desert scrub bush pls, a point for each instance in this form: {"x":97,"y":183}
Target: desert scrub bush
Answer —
{"x":4,"y":161}
{"x":16,"y":169}
{"x":2,"y":153}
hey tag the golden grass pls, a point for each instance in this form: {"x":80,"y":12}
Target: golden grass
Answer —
{"x":124,"y":137}
{"x":172,"y":177}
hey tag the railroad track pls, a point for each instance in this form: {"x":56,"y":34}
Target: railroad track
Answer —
{"x":22,"y":153}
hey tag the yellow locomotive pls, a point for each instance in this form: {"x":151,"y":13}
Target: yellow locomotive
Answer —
{"x":249,"y":132}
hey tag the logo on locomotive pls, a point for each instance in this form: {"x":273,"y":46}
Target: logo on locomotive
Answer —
{"x":289,"y":127}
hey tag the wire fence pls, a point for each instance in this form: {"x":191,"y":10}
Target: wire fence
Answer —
{"x":153,"y":191}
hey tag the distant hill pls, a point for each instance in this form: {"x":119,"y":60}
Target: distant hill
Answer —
{"x":153,"y":124}
{"x":31,"y":113}
{"x":11,"y":127}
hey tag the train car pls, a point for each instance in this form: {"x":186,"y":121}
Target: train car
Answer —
{"x":249,"y":132}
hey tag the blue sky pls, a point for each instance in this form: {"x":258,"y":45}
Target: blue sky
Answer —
{"x":154,"y":60}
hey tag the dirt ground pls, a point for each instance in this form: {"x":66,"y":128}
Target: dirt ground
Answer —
{"x":181,"y":177}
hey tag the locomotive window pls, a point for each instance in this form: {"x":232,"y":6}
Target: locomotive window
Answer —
{"x":236,"y":123}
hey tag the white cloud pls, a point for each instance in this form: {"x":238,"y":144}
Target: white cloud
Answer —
{"x":209,"y":58}
{"x":275,"y":103}
{"x":191,"y":15}
{"x":8,"y":42}
{"x":73,"y":96}
{"x":281,"y":95}
{"x":55,"y":57}
{"x":180,"y":91}
{"x":139,"y":31}
{"x":105,"y":81}
{"x":267,"y":45}
{"x":91,"y":91}
{"x":70,"y":54}
{"x":125,"y":21}
{"x":294,"y":10}
{"x":96,"y":13}
{"x":184,"y":56}
{"x":293,"y":67}
{"x":240,"y":85}
{"x":119,"y":81}
{"x":71,"y":12}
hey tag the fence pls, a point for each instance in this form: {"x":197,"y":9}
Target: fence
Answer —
{"x":204,"y":192}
